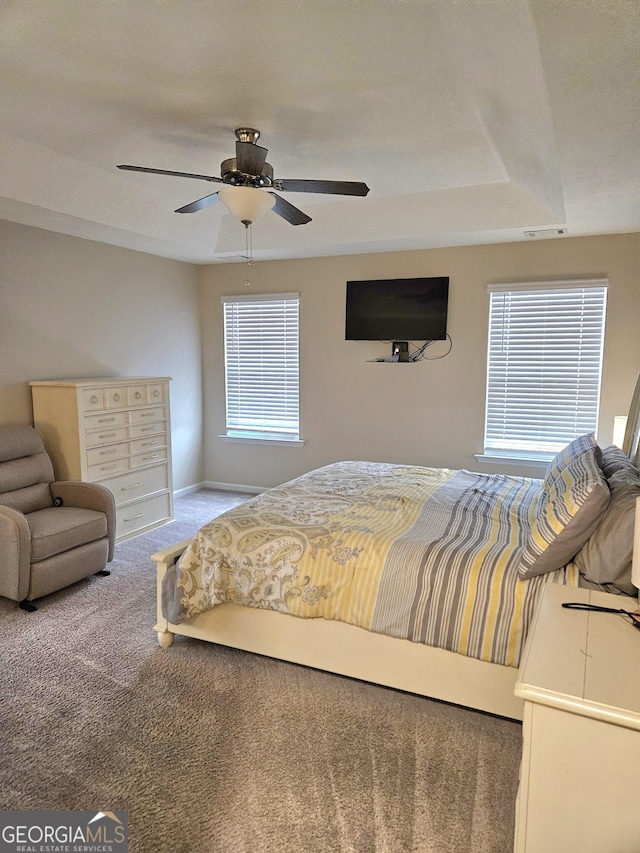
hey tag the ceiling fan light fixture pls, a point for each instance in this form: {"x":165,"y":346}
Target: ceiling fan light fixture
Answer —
{"x":246,"y":203}
{"x":243,"y":178}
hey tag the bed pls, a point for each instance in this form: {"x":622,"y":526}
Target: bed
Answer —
{"x":420,"y":579}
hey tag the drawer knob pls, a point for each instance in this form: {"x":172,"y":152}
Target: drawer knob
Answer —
{"x":94,"y":399}
{"x":138,"y":395}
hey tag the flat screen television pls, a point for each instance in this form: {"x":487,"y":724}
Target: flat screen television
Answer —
{"x":397,"y":309}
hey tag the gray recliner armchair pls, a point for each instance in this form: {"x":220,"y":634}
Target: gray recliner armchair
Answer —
{"x":52,"y":533}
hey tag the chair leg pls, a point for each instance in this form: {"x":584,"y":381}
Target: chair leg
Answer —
{"x":104,"y":573}
{"x":29,"y":606}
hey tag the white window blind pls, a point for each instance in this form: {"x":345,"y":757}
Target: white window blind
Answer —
{"x":545,"y":364}
{"x":261,"y":365}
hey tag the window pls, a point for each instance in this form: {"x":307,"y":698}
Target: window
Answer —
{"x":545,"y":364}
{"x":261,"y":366}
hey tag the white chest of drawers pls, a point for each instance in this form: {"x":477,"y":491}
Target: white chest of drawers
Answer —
{"x":581,"y":728}
{"x":115,"y":432}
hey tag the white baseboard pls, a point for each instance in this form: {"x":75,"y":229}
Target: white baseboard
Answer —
{"x":233,"y":487}
{"x":223,"y":487}
{"x":178,"y":493}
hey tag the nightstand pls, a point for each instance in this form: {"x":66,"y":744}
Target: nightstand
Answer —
{"x":580,"y":774}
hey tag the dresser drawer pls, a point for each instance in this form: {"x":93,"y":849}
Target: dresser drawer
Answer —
{"x":116,"y":398}
{"x":150,"y":442}
{"x":97,"y":473}
{"x":107,"y":436}
{"x":134,"y":517}
{"x":134,"y":485}
{"x":143,"y":430}
{"x":156,"y":393}
{"x":143,"y":416}
{"x":96,"y":455}
{"x":137,"y":395}
{"x":105,"y":420}
{"x":148,"y":458}
{"x":93,"y":399}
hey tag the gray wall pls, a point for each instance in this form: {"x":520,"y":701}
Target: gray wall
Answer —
{"x":429,"y":413}
{"x":72,"y":308}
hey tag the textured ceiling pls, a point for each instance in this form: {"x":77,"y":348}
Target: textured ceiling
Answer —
{"x":471,"y":121}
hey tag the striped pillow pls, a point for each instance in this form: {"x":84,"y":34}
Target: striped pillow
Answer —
{"x":570,"y":510}
{"x":566,"y":456}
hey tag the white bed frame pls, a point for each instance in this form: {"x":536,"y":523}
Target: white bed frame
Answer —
{"x":348,"y":650}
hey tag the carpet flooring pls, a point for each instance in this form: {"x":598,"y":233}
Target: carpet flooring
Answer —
{"x":213,"y":750}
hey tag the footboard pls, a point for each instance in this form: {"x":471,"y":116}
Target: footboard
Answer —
{"x":346,"y":650}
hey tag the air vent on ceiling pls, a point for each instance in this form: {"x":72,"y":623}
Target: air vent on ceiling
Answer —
{"x":547,"y":232}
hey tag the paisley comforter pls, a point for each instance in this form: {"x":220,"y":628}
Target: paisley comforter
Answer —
{"x":425,"y":554}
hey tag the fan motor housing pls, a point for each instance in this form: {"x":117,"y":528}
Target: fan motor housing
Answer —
{"x":230,"y":174}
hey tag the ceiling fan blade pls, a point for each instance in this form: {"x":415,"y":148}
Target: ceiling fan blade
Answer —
{"x":175,"y":174}
{"x":250,"y":158}
{"x":199,"y":204}
{"x":334,"y":187}
{"x":289,"y":212}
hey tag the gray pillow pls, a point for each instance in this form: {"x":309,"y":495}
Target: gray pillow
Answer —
{"x":606,"y":556}
{"x":613,"y":459}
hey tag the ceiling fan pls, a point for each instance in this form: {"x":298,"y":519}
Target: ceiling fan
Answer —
{"x":249,"y":169}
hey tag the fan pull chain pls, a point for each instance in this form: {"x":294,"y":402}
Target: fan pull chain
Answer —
{"x":248,"y":242}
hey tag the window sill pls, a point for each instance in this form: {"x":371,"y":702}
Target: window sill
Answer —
{"x":277,"y":441}
{"x":539,"y":463}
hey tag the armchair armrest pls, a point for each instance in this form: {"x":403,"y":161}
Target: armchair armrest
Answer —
{"x":15,"y":554}
{"x":88,"y":496}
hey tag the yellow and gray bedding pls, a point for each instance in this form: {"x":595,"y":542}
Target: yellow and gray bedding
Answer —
{"x":429,"y":555}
